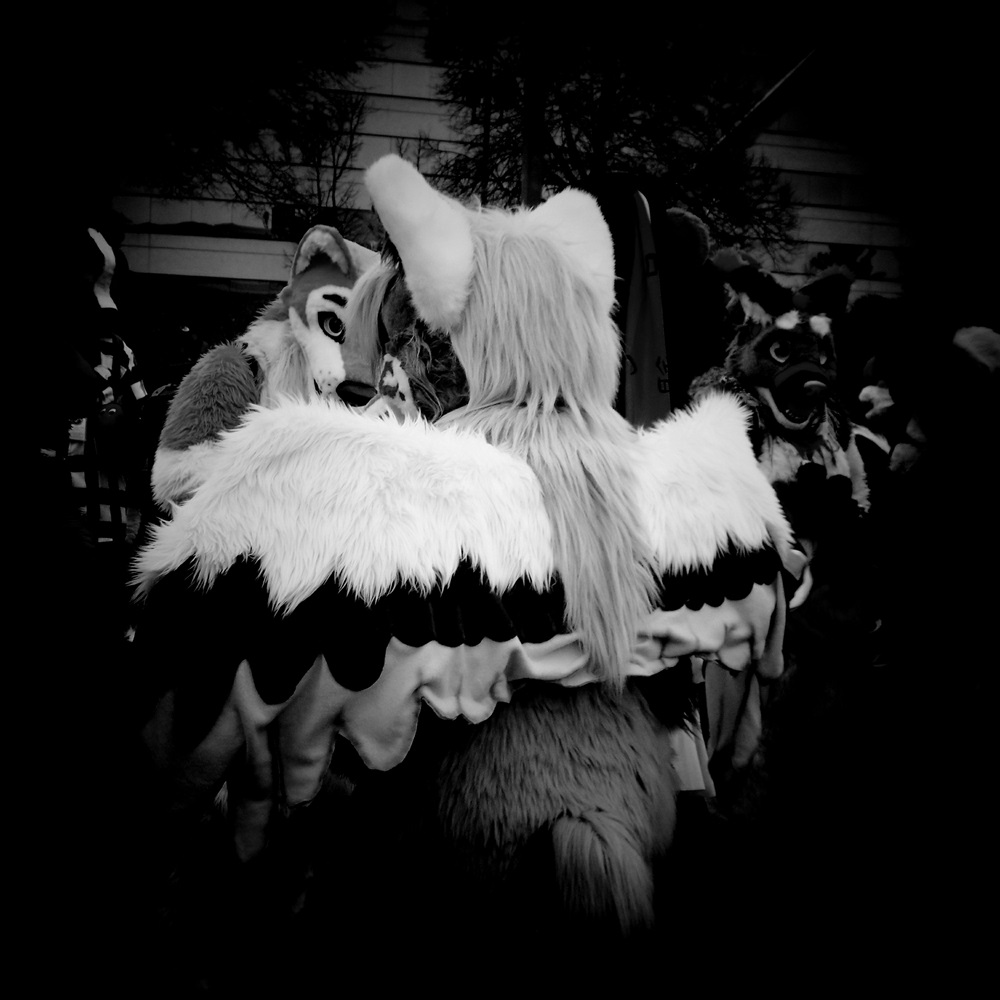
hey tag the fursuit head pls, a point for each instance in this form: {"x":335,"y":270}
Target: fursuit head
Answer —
{"x":782,"y":363}
{"x":295,"y":349}
{"x":502,"y":598}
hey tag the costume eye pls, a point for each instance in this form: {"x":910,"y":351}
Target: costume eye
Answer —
{"x":780,"y":351}
{"x":331,"y":325}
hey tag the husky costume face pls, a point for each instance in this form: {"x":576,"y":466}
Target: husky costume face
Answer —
{"x":297,"y":348}
{"x":299,"y":339}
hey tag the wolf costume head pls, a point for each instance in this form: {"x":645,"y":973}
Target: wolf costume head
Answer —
{"x":295,"y":348}
{"x":782,"y":362}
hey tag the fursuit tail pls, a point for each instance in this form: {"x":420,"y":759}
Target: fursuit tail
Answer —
{"x":602,"y":874}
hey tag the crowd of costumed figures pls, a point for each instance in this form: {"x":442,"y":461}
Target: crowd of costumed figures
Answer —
{"x":437,"y":659}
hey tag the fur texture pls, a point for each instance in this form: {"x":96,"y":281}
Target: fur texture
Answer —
{"x":606,"y":831}
{"x":211,"y":398}
{"x":432,"y":231}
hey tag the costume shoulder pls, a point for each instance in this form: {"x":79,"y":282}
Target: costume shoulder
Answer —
{"x":704,"y":492}
{"x":213,"y":397}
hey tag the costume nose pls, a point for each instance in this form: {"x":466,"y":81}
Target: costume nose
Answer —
{"x":814,"y":389}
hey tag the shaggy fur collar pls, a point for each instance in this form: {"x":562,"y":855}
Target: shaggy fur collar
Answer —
{"x":314,"y":490}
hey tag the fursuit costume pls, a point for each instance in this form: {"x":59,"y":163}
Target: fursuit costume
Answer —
{"x":826,"y":469}
{"x":782,"y":362}
{"x":294,"y":349}
{"x":510,"y":576}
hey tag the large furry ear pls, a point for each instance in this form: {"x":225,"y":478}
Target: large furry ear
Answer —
{"x":327,"y":241}
{"x":575,"y":220}
{"x":432,"y":236}
{"x":322,"y":244}
{"x":762,"y":296}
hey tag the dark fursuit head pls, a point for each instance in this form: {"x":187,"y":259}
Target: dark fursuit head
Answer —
{"x":782,"y":360}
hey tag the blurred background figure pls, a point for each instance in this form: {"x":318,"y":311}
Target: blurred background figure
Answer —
{"x":86,"y":492}
{"x":90,"y":445}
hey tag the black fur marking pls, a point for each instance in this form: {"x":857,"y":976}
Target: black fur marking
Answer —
{"x":732,"y":576}
{"x":464,"y":611}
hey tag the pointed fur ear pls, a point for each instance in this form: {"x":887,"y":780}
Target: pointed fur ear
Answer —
{"x":762,"y":296}
{"x":325,"y":240}
{"x":574,"y":218}
{"x":432,"y":235}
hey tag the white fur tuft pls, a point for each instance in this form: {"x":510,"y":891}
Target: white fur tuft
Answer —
{"x":820,"y":325}
{"x":177,"y":472}
{"x":574,"y":219}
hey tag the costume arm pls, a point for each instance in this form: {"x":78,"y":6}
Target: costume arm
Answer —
{"x":213,"y":397}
